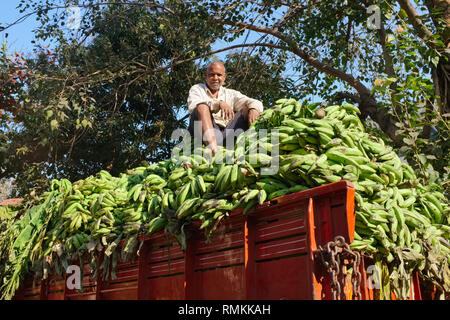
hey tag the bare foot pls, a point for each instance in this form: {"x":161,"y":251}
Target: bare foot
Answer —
{"x":212,"y":148}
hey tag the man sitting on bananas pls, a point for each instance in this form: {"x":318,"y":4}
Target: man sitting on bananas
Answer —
{"x":219,"y":114}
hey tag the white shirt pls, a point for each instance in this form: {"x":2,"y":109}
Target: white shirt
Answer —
{"x":200,"y":94}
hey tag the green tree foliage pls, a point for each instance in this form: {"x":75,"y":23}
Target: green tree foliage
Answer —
{"x":389,"y":57}
{"x":110,"y":96}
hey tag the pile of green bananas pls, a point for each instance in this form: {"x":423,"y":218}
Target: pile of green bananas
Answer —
{"x":399,"y":220}
{"x":397,"y":217}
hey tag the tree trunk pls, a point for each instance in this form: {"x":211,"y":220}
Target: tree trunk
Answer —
{"x":443,"y":84}
{"x":441,"y":78}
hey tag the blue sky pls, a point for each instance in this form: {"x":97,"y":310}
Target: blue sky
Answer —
{"x":20,"y":35}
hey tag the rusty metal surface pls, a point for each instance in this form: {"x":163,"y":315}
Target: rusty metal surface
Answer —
{"x":337,"y":258}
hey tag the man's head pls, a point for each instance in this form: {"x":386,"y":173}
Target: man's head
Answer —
{"x":215,"y":75}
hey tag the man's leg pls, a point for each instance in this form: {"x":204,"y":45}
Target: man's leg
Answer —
{"x":210,"y":131}
{"x":236,"y":126}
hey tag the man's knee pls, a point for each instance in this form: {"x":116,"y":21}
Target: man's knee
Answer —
{"x":203,"y":110}
{"x":198,"y":114}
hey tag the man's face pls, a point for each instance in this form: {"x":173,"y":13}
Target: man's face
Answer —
{"x":215,"y":76}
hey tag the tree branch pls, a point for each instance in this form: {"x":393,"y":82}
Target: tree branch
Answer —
{"x":294,"y":48}
{"x":413,"y":18}
{"x":179,"y":62}
{"x":341,"y":96}
{"x":389,"y":65}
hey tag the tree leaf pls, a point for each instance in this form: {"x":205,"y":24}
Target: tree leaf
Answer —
{"x":408,"y":141}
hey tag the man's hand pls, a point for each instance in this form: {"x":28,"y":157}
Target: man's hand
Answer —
{"x":227,"y":112}
{"x":253,"y":114}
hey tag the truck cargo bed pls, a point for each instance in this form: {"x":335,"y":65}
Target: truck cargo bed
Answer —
{"x":269,"y":253}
